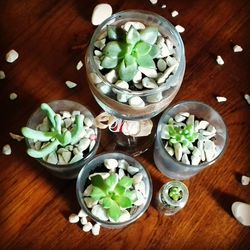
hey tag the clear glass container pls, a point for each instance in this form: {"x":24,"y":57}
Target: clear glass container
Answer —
{"x":71,"y":170}
{"x":168,"y":206}
{"x":167,"y":164}
{"x":90,"y":168}
{"x":162,"y":95}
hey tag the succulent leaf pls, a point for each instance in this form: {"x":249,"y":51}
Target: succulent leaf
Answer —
{"x":112,"y":32}
{"x":142,"y":48}
{"x":44,"y":151}
{"x":77,"y":130}
{"x":114,"y":211}
{"x":113,"y":49}
{"x":49,"y":112}
{"x":149,"y":35}
{"x":109,"y":62}
{"x":37,"y":135}
{"x":97,"y":181}
{"x":107,"y":202}
{"x":127,"y":70}
{"x":97,"y":193}
{"x":123,"y":201}
{"x":111,"y":181}
{"x":155,"y":51}
{"x":146,"y":62}
{"x":133,"y":36}
{"x":126,"y":182}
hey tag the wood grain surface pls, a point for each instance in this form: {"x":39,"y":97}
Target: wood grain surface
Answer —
{"x":51,"y":37}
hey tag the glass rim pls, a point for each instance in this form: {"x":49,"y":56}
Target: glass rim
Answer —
{"x":164,"y":23}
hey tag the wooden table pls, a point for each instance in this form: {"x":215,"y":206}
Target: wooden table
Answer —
{"x":51,"y":37}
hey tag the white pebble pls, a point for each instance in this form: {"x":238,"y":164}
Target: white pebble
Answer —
{"x":70,"y":84}
{"x":124,"y":216}
{"x":2,"y":74}
{"x":95,"y":78}
{"x":247,"y":98}
{"x":185,"y":159}
{"x":178,"y":151}
{"x":174,"y":13}
{"x":96,"y":229}
{"x":169,"y":150}
{"x":122,"y":84}
{"x":111,"y":76}
{"x":155,"y":97}
{"x":137,"y":178}
{"x":99,"y":212}
{"x":138,"y":76}
{"x":90,"y":202}
{"x":13,"y":96}
{"x":149,"y":83}
{"x":152,"y":73}
{"x":161,"y":64}
{"x":16,"y":137}
{"x":73,"y":218}
{"x":123,"y":164}
{"x":219,"y":60}
{"x":136,"y":25}
{"x":221,"y":99}
{"x":180,"y":118}
{"x":237,"y":48}
{"x":179,"y":28}
{"x":164,"y":6}
{"x":136,"y":102}
{"x":245,"y":180}
{"x":87,"y":192}
{"x":87,"y":227}
{"x":140,"y":199}
{"x":132,"y":170}
{"x":111,"y":164}
{"x":79,"y":65}
{"x":82,"y":214}
{"x":11,"y":56}
{"x":195,"y":160}
{"x":84,"y":220}
{"x":6,"y":149}
{"x":209,"y":148}
{"x":100,"y":13}
{"x":153,"y":1}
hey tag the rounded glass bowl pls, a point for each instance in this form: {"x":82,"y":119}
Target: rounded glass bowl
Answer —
{"x":71,"y":170}
{"x":157,"y":99}
{"x":91,"y":166}
{"x":167,"y":164}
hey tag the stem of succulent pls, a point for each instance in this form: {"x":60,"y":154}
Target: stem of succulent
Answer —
{"x":55,"y":136}
{"x":126,"y":51}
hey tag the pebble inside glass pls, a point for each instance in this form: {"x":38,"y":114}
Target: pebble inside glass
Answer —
{"x":166,"y":204}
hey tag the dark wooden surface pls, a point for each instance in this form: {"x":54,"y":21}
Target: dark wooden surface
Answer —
{"x":35,"y":206}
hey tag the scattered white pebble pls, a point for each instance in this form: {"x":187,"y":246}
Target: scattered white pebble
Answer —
{"x":79,"y":65}
{"x":11,"y":56}
{"x":6,"y":149}
{"x":13,"y":96}
{"x":2,"y":75}
{"x":153,"y":1}
{"x":100,"y":13}
{"x":219,"y":60}
{"x":221,"y":99}
{"x":174,"y":13}
{"x":73,"y":218}
{"x":245,"y":180}
{"x":87,"y":227}
{"x":16,"y":137}
{"x":241,"y":212}
{"x":164,"y":6}
{"x":96,"y":229}
{"x":70,"y":84}
{"x":247,"y":98}
{"x":84,"y":220}
{"x":82,"y":214}
{"x":179,"y":28}
{"x":237,"y":48}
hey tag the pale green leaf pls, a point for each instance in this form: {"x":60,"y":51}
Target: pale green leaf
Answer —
{"x":123,"y":201}
{"x":112,"y":32}
{"x":107,"y":202}
{"x":127,"y":72}
{"x":142,"y":48}
{"x":98,"y":181}
{"x":111,"y":181}
{"x":155,"y":51}
{"x":112,"y":49}
{"x":133,"y":36}
{"x":149,"y":35}
{"x":126,"y":182}
{"x":109,"y":62}
{"x":97,"y":193}
{"x":114,"y":211}
{"x":146,"y":62}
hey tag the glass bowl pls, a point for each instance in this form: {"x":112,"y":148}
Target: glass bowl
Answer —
{"x":70,"y":170}
{"x":155,"y":100}
{"x":83,"y":182}
{"x":167,"y":164}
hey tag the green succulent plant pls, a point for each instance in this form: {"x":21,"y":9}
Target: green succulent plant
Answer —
{"x":127,"y":50}
{"x":113,"y":194}
{"x":55,"y":136}
{"x":185,"y":135}
{"x":175,"y":193}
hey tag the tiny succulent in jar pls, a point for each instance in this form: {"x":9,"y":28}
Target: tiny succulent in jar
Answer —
{"x":175,"y":193}
{"x":55,"y":136}
{"x":127,"y":50}
{"x":113,"y":194}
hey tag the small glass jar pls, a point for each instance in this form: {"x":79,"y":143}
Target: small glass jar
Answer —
{"x":172,"y":197}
